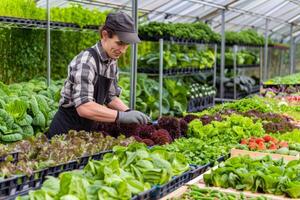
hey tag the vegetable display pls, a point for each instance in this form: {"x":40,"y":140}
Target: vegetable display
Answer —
{"x":242,"y":58}
{"x":291,"y":137}
{"x":269,"y":144}
{"x":164,"y":132}
{"x":288,"y":80}
{"x":196,"y":193}
{"x":198,"y":91}
{"x":120,"y":175}
{"x":257,"y":175}
{"x":198,"y":152}
{"x":27,"y":108}
{"x":229,"y":131}
{"x":174,"y":95}
{"x":245,"y":37}
{"x":193,"y":31}
{"x":189,"y":59}
{"x":75,"y":13}
{"x":38,"y":153}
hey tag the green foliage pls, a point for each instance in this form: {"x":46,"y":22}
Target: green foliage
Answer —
{"x":227,"y":132}
{"x":122,"y":174}
{"x":293,"y":136}
{"x":290,"y":79}
{"x":37,"y":153}
{"x":197,"y":151}
{"x":257,"y":175}
{"x":74,"y":13}
{"x":190,"y":31}
{"x":243,"y":58}
{"x":196,"y":193}
{"x":192,"y":58}
{"x":245,"y":37}
{"x":25,"y":110}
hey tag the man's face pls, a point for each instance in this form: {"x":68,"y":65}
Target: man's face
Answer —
{"x":113,"y":46}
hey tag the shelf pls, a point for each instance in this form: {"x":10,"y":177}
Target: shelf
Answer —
{"x":200,"y":103}
{"x":250,"y":66}
{"x":43,"y":23}
{"x":245,"y":45}
{"x":174,"y":40}
{"x":177,"y":71}
{"x":229,"y":95}
{"x":278,"y":46}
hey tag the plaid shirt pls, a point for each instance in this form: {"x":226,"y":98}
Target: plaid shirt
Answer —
{"x":79,"y":85}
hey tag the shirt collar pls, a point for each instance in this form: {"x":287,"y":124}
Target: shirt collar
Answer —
{"x":103,"y":55}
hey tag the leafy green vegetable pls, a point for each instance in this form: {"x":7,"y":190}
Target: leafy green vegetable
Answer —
{"x":229,"y":131}
{"x":120,"y":175}
{"x":261,"y":174}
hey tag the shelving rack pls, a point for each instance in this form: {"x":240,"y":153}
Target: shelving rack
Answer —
{"x":34,"y":23}
{"x":220,"y":11}
{"x":161,"y":72}
{"x":236,"y":68}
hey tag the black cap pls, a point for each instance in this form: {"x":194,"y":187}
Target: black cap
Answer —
{"x":123,"y":25}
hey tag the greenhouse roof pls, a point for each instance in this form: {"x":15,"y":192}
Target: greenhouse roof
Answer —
{"x":239,"y":14}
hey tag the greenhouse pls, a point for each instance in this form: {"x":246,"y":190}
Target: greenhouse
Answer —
{"x":148,"y":100}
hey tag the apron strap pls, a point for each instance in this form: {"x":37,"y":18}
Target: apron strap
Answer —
{"x":96,"y":57}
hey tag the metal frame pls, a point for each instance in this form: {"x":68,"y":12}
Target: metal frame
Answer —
{"x":292,"y":61}
{"x":48,"y":45}
{"x":134,"y":52}
{"x":222,"y":55}
{"x":161,"y":66}
{"x":259,"y":9}
{"x":266,"y":51}
{"x":235,"y":50}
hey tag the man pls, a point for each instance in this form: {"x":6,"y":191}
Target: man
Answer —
{"x":90,"y":92}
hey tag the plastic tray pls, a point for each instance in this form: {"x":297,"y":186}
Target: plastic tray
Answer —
{"x":172,"y":185}
{"x":201,"y":103}
{"x":83,"y":161}
{"x":20,"y":184}
{"x":199,"y":170}
{"x":147,"y":195}
{"x":175,"y":71}
{"x":57,"y":169}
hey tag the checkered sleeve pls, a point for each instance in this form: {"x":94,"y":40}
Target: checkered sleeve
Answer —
{"x":84,"y":74}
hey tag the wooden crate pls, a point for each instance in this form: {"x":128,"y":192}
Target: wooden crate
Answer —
{"x":256,"y":154}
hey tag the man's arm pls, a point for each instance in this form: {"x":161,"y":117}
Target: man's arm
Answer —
{"x":117,"y":104}
{"x":94,"y":111}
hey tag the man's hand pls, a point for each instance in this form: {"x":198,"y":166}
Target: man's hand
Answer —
{"x":133,"y":117}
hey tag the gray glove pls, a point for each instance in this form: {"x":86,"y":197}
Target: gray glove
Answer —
{"x":133,"y":117}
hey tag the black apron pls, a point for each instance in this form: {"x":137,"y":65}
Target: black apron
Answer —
{"x":68,"y":119}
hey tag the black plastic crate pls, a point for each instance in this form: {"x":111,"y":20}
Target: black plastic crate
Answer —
{"x":198,"y":171}
{"x":172,"y":185}
{"x":146,"y":195}
{"x":15,"y":156}
{"x":200,"y":103}
{"x":223,"y":158}
{"x":21,"y":184}
{"x":56,"y":170}
{"x":83,"y":161}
